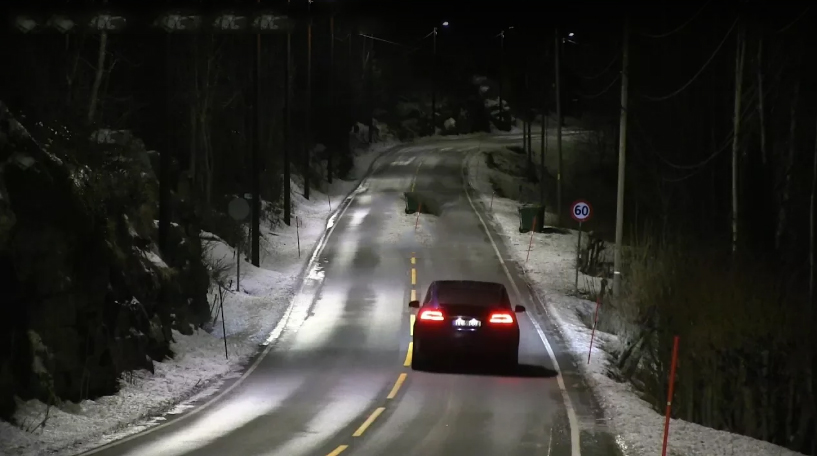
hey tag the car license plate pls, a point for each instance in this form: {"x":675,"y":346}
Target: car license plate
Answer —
{"x":461,"y":322}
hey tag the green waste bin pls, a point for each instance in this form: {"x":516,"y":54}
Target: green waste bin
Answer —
{"x":528,"y":213}
{"x":412,"y":202}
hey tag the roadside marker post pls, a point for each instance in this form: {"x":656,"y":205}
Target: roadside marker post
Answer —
{"x":593,"y":332}
{"x":298,"y":234}
{"x":492,"y":200}
{"x":670,"y":393}
{"x":530,"y":243}
{"x":417,"y":222}
{"x":581,"y":211}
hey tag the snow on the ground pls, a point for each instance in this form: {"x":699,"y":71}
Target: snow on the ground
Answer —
{"x":551,"y":271}
{"x":199,"y":366}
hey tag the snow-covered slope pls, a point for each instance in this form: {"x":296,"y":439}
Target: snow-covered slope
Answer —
{"x":200,"y":366}
{"x":550,"y":270}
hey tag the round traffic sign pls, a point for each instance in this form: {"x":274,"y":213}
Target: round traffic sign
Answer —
{"x":581,"y":211}
{"x":238,"y":209}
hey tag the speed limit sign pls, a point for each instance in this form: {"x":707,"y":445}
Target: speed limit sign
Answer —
{"x":581,"y":211}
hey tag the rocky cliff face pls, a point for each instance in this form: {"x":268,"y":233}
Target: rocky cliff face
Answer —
{"x":85,"y":296}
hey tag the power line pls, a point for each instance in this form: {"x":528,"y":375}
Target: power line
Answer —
{"x":695,"y":168}
{"x":796,"y":20}
{"x":679,"y":28}
{"x":701,"y":70}
{"x":385,"y":41}
{"x":609,"y":86}
{"x":602,"y":72}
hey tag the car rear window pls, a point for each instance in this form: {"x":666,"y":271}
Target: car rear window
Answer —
{"x":475,"y":295}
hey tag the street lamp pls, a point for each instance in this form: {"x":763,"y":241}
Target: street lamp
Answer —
{"x":445,"y":24}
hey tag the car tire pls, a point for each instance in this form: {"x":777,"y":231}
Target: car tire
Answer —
{"x":419,"y":360}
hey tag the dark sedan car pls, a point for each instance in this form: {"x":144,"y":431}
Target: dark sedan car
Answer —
{"x":465,"y":318}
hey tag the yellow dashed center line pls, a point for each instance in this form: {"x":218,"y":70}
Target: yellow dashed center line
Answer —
{"x":368,"y":421}
{"x":412,"y":318}
{"x":340,"y":449}
{"x":397,"y":385}
{"x":413,"y":260}
{"x":413,"y":276}
{"x":413,"y":294}
{"x":407,"y":362}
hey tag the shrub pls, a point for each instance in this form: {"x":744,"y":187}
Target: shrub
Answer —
{"x":745,"y":350}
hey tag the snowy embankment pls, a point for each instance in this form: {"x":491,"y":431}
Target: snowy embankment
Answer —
{"x":199,"y":366}
{"x":550,"y":270}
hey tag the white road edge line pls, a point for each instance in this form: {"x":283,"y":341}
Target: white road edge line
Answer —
{"x":571,"y":412}
{"x":279,"y":327}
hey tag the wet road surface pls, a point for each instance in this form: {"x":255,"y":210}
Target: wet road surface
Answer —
{"x":337,"y":381}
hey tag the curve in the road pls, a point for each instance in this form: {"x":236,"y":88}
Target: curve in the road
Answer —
{"x":336,"y":381}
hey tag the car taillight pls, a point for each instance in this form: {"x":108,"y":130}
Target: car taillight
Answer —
{"x":431,"y":315}
{"x":502,"y":318}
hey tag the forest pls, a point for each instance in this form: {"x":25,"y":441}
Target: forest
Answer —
{"x":721,"y":175}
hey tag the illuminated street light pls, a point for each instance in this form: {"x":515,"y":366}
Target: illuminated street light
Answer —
{"x":62,"y":23}
{"x":25,"y":24}
{"x":445,"y":24}
{"x":571,"y":34}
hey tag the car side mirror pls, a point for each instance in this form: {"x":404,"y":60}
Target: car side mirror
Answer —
{"x":414,"y":304}
{"x":519,"y":309}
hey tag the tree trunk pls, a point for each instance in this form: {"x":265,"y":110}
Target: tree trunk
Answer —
{"x":740,"y":52}
{"x":193,"y":144}
{"x":558,"y":95}
{"x":100,"y":71}
{"x":784,"y":199}
{"x":760,"y":106}
{"x":811,"y":225}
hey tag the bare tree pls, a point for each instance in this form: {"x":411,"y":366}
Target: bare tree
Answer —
{"x":788,"y":165}
{"x":740,"y":53}
{"x":760,"y":103}
{"x":100,"y":72}
{"x":811,"y":223}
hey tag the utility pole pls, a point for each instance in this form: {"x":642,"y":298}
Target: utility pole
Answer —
{"x":347,"y":146}
{"x":543,"y":142}
{"x":332,"y":102}
{"x":739,"y":54}
{"x":434,"y":83}
{"x":287,"y":106}
{"x":308,"y":139}
{"x":165,"y":159}
{"x":255,"y":241}
{"x":370,"y":86}
{"x":558,"y":48}
{"x":501,"y":70}
{"x":528,"y":136}
{"x":622,"y":159}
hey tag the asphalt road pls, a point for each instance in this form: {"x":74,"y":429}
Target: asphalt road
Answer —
{"x":336,"y":379}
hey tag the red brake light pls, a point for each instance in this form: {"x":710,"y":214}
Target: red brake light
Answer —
{"x":501,"y":318}
{"x":430,"y":314}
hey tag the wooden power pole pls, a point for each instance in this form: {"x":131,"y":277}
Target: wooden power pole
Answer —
{"x":287,"y":107}
{"x":255,"y":241}
{"x":332,"y":103}
{"x":558,"y":49}
{"x":622,"y":159}
{"x":739,"y":54}
{"x":308,"y":136}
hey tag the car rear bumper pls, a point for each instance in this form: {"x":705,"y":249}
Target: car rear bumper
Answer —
{"x":464,"y":343}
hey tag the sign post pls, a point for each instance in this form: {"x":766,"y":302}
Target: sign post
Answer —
{"x":239,"y":209}
{"x":581,"y":211}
